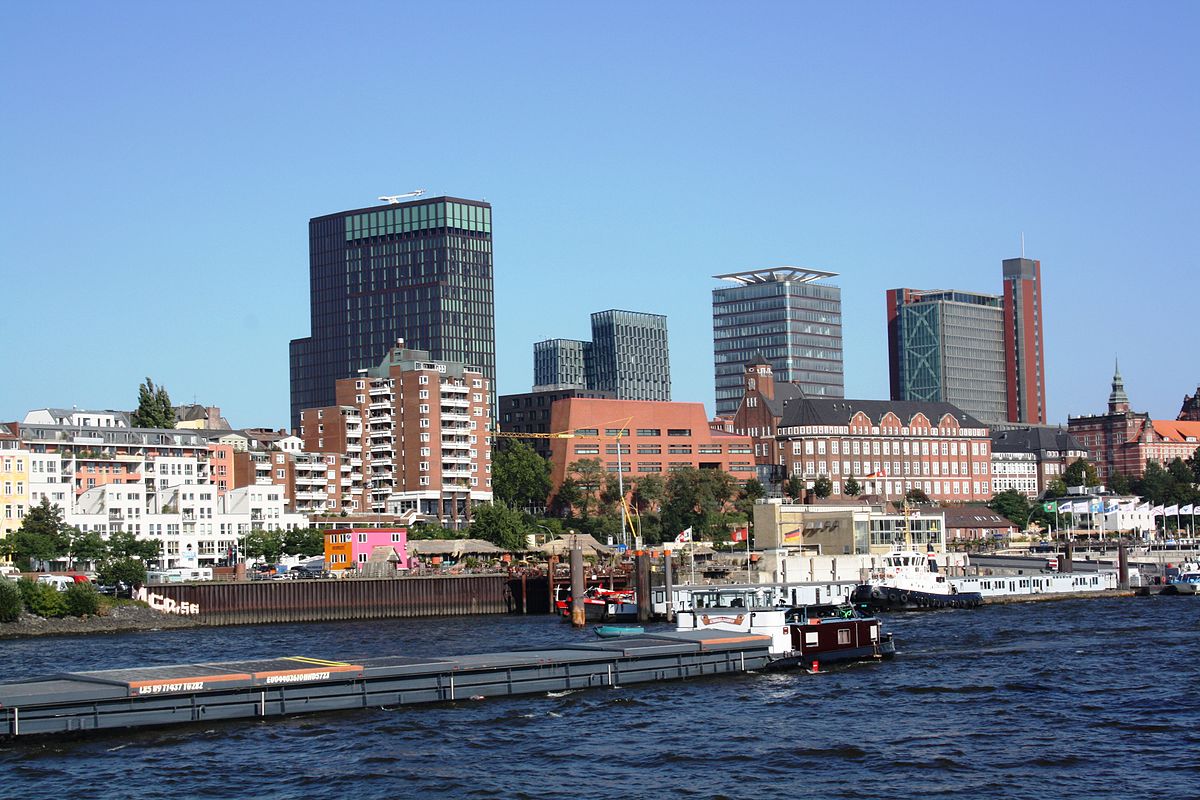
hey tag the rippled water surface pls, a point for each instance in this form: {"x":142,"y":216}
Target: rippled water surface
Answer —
{"x":1080,"y":698}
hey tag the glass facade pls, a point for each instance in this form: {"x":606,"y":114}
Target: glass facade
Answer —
{"x":418,"y":271}
{"x":795,"y":325}
{"x":951,"y":350}
{"x":630,"y":355}
{"x":562,"y":362}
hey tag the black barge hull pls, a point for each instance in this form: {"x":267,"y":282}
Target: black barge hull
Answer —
{"x":882,"y":598}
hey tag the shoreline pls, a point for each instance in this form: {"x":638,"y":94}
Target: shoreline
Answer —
{"x":122,"y":619}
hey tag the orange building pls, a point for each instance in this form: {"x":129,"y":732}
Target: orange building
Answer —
{"x":643,"y":437}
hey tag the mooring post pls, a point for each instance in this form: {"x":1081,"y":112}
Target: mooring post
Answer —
{"x":578,"y":617}
{"x":551,"y":566}
{"x":642,"y":575}
{"x":524,"y":593}
{"x":669,"y":584}
{"x":1123,"y":566}
{"x":1068,"y":561}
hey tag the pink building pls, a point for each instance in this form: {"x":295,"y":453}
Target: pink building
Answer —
{"x":351,"y":548}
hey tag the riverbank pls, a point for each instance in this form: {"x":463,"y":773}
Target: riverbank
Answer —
{"x":1045,"y":597}
{"x":119,"y":619}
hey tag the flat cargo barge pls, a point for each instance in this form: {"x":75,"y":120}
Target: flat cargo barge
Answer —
{"x":167,"y":695}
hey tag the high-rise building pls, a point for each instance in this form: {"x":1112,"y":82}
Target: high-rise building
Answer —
{"x":947,"y":346}
{"x":784,"y":316}
{"x":1023,"y":346}
{"x":628,"y":356}
{"x":419,"y":271}
{"x":559,"y":363}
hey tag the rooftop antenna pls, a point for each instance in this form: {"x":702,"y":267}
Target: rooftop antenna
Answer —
{"x":1022,"y":243}
{"x":396,"y":198}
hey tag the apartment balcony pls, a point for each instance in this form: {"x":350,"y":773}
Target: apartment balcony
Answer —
{"x":257,"y":516}
{"x":384,"y":448}
{"x":383,"y":405}
{"x":310,"y":495}
{"x":381,"y":433}
{"x":457,"y":401}
{"x":456,"y":456}
{"x":380,"y":388}
{"x":449,"y":415}
{"x":354,"y":462}
{"x":453,"y":471}
{"x":456,"y":388}
{"x":115,"y":514}
{"x":456,"y":486}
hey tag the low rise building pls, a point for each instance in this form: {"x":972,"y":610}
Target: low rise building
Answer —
{"x":976,"y":524}
{"x":1029,"y":458}
{"x":351,"y":548}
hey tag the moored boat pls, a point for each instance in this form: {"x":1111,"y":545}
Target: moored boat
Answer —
{"x":818,"y":634}
{"x":617,"y":631}
{"x":1186,"y":582}
{"x":910,"y":581}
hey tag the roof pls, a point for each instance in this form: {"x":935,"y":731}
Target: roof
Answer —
{"x":975,"y":517}
{"x":776,"y":274}
{"x":451,"y":547}
{"x":1033,"y":439}
{"x":1176,"y":430}
{"x":838,"y":411}
{"x":567,"y":542}
{"x":783,"y":391}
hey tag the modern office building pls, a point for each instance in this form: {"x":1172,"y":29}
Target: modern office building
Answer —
{"x":530,"y":412}
{"x":627,"y":356}
{"x":419,"y":271}
{"x":1024,"y":349}
{"x":559,"y":363}
{"x":947,"y":346}
{"x":784,"y":316}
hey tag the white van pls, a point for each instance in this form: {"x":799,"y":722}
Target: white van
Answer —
{"x":60,"y":582}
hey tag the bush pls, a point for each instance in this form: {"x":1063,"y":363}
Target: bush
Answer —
{"x":44,"y":600}
{"x":11,"y":602}
{"x":81,"y":600}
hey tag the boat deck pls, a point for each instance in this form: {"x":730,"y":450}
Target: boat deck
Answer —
{"x":164,"y":695}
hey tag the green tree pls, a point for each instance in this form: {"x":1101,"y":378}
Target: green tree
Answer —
{"x":822,"y":487}
{"x":87,"y":547}
{"x":423,"y":531}
{"x":520,"y":477}
{"x":1155,"y":484}
{"x":500,"y":525}
{"x":1193,"y":463}
{"x":129,"y":570}
{"x":42,"y":537}
{"x":753,"y":490}
{"x":649,"y":492}
{"x":81,"y":600}
{"x":1056,"y":488}
{"x":610,"y":496}
{"x":696,"y":499}
{"x":1181,"y":490}
{"x":1081,"y":473}
{"x":589,"y":477}
{"x":793,"y":488}
{"x":1119,"y":484}
{"x":267,"y":545}
{"x":1012,"y":504}
{"x":304,"y":542}
{"x":123,"y":544}
{"x":852,"y":488}
{"x":154,"y":407}
{"x":917,"y":497}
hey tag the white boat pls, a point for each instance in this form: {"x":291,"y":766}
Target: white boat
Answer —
{"x":1187,"y":581}
{"x":908,"y":581}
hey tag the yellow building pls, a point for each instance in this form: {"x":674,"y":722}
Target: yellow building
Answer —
{"x":14,"y":481}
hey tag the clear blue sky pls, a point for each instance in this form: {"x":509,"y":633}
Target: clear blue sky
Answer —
{"x":161,"y":161}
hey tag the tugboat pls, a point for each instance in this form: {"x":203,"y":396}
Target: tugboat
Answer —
{"x":1186,"y":582}
{"x":801,"y":635}
{"x":910,"y":581}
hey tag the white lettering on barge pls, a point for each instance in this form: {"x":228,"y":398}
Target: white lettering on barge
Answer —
{"x":305,"y":676}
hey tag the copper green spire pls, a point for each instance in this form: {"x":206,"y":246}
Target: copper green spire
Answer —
{"x":1117,"y":399}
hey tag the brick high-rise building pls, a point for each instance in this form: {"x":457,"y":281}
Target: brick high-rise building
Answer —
{"x":419,"y":271}
{"x":1024,"y":349}
{"x":414,"y":433}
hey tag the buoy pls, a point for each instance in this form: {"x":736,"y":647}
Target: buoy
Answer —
{"x":816,"y":667}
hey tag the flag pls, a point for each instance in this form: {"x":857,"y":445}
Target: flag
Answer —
{"x":1096,"y":506}
{"x":1049,"y":507}
{"x":1156,"y":511}
{"x":1111,"y":506}
{"x":794,"y":535}
{"x":683,"y":537}
{"x":1144,"y":508}
{"x":880,"y":474}
{"x":1171,"y":509}
{"x":1066,"y":507}
{"x":1127,"y":507}
{"x":1188,"y":509}
{"x":740,"y":535}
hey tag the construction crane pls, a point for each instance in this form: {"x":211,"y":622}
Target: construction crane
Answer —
{"x":628,"y":514}
{"x":396,"y":198}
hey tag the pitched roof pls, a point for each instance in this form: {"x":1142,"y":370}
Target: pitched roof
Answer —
{"x":839,"y":411}
{"x":783,"y":392}
{"x":1033,"y":439}
{"x":1177,"y":430}
{"x":975,"y":517}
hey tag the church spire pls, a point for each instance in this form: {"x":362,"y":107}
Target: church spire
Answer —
{"x":1118,"y":401}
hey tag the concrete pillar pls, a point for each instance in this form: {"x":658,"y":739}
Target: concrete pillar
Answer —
{"x":1123,"y":566}
{"x":669,"y":583}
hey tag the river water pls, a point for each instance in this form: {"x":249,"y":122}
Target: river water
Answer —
{"x":1077,"y":698}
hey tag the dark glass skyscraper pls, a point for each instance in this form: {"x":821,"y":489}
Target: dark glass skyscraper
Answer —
{"x":419,"y":271}
{"x":779,"y":314}
{"x":627,"y":356}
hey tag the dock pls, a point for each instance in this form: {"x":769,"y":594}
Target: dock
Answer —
{"x":230,"y":690}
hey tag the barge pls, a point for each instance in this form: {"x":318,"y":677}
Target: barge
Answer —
{"x":166,"y":695}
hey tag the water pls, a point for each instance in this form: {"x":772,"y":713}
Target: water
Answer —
{"x":1079,"y":698}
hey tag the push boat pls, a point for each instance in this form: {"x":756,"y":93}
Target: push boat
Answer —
{"x":910,"y":581}
{"x":1186,"y":582}
{"x":816,"y":635}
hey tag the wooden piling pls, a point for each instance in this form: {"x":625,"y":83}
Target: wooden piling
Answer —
{"x":578,"y":587}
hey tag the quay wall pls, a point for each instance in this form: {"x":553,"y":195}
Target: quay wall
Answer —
{"x":255,"y":602}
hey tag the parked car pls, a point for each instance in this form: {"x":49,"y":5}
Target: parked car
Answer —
{"x":62,"y":582}
{"x":119,"y":589}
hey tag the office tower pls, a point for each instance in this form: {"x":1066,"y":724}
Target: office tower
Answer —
{"x":419,"y":271}
{"x":784,"y":316}
{"x":1023,"y":345}
{"x":629,"y":354}
{"x":947,"y":346}
{"x":628,"y":357}
{"x":559,"y":363}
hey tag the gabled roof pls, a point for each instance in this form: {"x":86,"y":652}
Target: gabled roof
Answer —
{"x":783,"y":392}
{"x":1176,"y":430}
{"x":839,"y":411}
{"x":1034,"y":439}
{"x":975,"y":517}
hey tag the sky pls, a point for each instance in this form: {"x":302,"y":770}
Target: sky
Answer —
{"x":162,"y":160}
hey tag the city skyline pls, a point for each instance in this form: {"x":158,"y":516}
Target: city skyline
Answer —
{"x":883,"y":155}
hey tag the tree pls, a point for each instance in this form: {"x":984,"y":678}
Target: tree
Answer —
{"x":265,"y":544}
{"x":1181,"y":481}
{"x":123,"y":544}
{"x":916,"y":496}
{"x":304,"y":542}
{"x":1056,"y":488}
{"x":610,"y":495}
{"x":87,"y":546}
{"x":568,"y":497}
{"x":589,"y":475}
{"x":852,"y":487}
{"x":696,"y":499}
{"x":1081,"y":473}
{"x":154,"y":407}
{"x":127,"y":570}
{"x":1012,"y":504}
{"x":649,"y":492}
{"x":520,"y":477}
{"x":1193,"y":463}
{"x":822,"y":487}
{"x":753,"y":490}
{"x":43,"y":536}
{"x":1119,"y":484}
{"x":1155,"y":483}
{"x":500,"y":525}
{"x":793,"y":488}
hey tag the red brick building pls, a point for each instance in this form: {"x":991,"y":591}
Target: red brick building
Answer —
{"x":758,"y":415}
{"x":1122,"y":441}
{"x":643,"y":437}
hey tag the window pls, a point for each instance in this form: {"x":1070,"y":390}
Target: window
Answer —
{"x":649,"y":432}
{"x":679,"y":431}
{"x":422,"y":379}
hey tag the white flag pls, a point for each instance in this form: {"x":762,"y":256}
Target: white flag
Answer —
{"x":1066,"y":508}
{"x":1157,"y":511}
{"x":1172,"y":509}
{"x":1144,"y":508}
{"x":1188,"y":509}
{"x":686,"y":536}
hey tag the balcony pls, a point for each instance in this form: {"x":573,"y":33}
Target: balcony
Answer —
{"x":456,"y":456}
{"x":453,"y":416}
{"x":458,"y":401}
{"x":383,"y":448}
{"x":355,"y":462}
{"x":381,"y":406}
{"x":457,"y":388}
{"x":115,"y":514}
{"x":453,"y":471}
{"x":380,"y":388}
